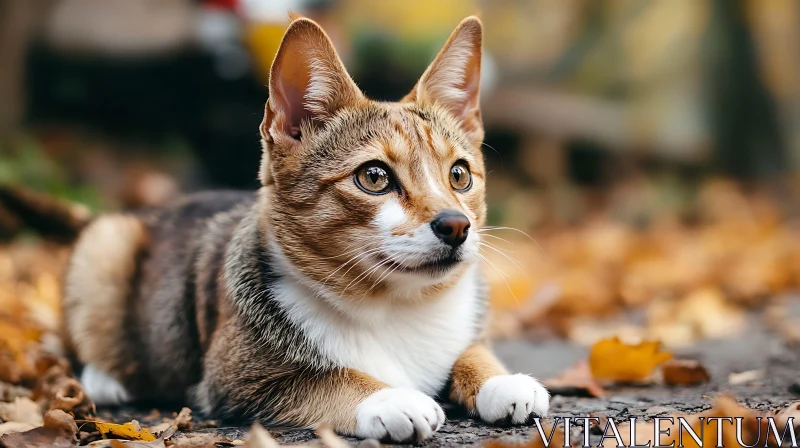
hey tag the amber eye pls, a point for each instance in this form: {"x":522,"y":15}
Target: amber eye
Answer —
{"x":460,"y":177}
{"x":373,"y":178}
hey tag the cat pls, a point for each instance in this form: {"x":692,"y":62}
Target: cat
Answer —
{"x":346,"y":290}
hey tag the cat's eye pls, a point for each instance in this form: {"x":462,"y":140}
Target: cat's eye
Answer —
{"x":460,"y":177}
{"x":373,"y":178}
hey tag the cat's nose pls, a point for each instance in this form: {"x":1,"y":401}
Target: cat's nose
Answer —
{"x":451,"y":227}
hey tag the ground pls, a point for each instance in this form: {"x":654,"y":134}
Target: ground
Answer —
{"x":758,"y":349}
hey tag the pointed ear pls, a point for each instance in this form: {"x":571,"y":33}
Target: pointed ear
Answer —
{"x":453,"y":79}
{"x":307,"y":85}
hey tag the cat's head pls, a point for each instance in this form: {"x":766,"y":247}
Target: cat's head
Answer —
{"x":374,"y":199}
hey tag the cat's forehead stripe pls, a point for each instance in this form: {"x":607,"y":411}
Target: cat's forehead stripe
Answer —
{"x":433,"y":182}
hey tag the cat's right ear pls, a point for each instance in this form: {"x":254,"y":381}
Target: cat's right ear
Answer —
{"x":307,"y":85}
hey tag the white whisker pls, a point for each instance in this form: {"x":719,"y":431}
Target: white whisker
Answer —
{"x":483,"y":231}
{"x":362,"y":254}
{"x":502,"y":277}
{"x":389,"y":272}
{"x":513,"y":261}
{"x":366,"y":274}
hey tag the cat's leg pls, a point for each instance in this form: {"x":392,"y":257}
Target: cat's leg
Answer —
{"x":482,"y":385}
{"x":242,"y":380}
{"x":99,"y":281}
{"x":102,"y":388}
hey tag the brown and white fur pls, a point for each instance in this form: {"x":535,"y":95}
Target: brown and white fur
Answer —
{"x":313,"y":300}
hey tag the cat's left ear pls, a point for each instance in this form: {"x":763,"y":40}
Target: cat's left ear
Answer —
{"x":308,"y":82}
{"x":453,"y":79}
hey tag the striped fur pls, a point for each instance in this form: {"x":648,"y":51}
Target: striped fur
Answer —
{"x":308,"y":301}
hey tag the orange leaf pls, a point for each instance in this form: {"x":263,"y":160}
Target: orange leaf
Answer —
{"x":129,"y":431}
{"x":611,"y":359}
{"x":576,"y":378}
{"x":684,"y":372}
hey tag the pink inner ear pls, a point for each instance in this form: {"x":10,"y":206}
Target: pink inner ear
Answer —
{"x":296,"y":112}
{"x":289,"y":99}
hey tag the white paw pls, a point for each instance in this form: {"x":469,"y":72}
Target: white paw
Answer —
{"x":102,"y":388}
{"x":398,"y":415}
{"x":512,"y":399}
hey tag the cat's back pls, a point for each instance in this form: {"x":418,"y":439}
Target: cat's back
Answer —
{"x":140,"y":291}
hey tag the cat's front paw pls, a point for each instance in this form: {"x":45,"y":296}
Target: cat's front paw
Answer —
{"x":398,"y":415}
{"x":512,"y":399}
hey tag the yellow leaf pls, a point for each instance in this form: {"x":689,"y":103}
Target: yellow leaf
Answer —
{"x":611,"y":359}
{"x":129,"y":431}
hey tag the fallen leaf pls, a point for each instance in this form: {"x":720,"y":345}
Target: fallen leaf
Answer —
{"x":9,"y":427}
{"x":57,"y":389}
{"x":260,"y":438}
{"x":62,"y":422}
{"x":329,"y":438}
{"x":684,"y":372}
{"x":745,"y":377}
{"x":577,"y":380}
{"x":711,"y":314}
{"x":791,"y":411}
{"x":703,"y":428}
{"x":129,"y":431}
{"x":40,"y":437}
{"x":160,"y":428}
{"x":536,"y":440}
{"x":10,"y":392}
{"x":200,"y":441}
{"x":116,"y":443}
{"x":59,"y":430}
{"x":22,"y":410}
{"x":611,"y":359}
{"x":183,"y":420}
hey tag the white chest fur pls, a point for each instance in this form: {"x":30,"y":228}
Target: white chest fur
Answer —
{"x":403,"y":345}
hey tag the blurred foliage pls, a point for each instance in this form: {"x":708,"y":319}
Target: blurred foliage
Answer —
{"x":23,"y":162}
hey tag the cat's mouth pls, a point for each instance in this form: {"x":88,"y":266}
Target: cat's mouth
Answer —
{"x":436,"y":266}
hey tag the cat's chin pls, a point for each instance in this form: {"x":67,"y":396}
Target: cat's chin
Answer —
{"x":429,"y":268}
{"x":428,"y":273}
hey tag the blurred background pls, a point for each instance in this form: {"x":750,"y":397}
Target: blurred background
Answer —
{"x":646,"y":151}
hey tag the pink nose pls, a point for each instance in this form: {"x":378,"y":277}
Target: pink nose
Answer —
{"x":451,"y":226}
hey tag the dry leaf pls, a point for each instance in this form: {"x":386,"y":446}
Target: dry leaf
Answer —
{"x":57,"y":389}
{"x":745,"y":377}
{"x":22,"y":410}
{"x":684,"y":372}
{"x":62,"y":422}
{"x":9,"y":427}
{"x":577,"y":380}
{"x":40,"y":437}
{"x":536,"y":440}
{"x":200,"y":441}
{"x":10,"y":392}
{"x":129,"y":431}
{"x":705,"y":429}
{"x":183,"y":420}
{"x":329,"y":438}
{"x":793,"y":411}
{"x":59,"y":430}
{"x":711,"y":314}
{"x":116,"y":443}
{"x":161,"y":428}
{"x":260,"y":438}
{"x":611,"y":359}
